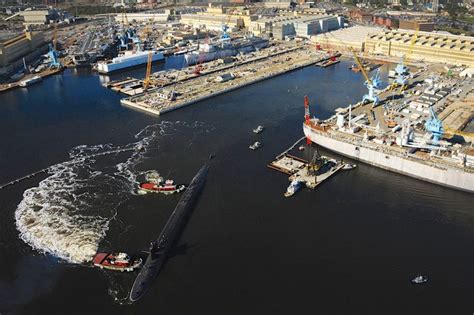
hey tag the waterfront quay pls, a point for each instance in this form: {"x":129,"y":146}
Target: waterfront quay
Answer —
{"x":211,"y":83}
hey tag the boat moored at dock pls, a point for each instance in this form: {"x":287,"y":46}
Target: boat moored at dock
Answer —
{"x":128,"y":60}
{"x":450,"y":168}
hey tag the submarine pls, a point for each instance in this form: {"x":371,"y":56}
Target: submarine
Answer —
{"x":161,"y":247}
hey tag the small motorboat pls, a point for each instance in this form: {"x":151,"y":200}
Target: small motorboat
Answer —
{"x":167,"y":188}
{"x":258,"y":129}
{"x":348,"y":166}
{"x":116,"y":261}
{"x":419,"y":279}
{"x":301,"y":148}
{"x":255,"y":146}
{"x":295,"y":185}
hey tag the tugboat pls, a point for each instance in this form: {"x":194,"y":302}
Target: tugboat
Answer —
{"x":168,"y":188}
{"x":419,"y":279}
{"x":258,"y":129}
{"x":255,"y":146}
{"x":295,"y":185}
{"x":116,"y":261}
{"x":155,"y":183}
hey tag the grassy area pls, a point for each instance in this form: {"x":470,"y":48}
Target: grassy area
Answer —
{"x":467,"y":19}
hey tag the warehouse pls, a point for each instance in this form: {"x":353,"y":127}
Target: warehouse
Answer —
{"x":431,"y":47}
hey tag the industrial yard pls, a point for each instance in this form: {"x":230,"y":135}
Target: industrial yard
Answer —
{"x":330,"y":144}
{"x":429,"y":91}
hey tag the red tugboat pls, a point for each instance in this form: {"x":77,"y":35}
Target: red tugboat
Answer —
{"x":116,"y":261}
{"x":167,"y":188}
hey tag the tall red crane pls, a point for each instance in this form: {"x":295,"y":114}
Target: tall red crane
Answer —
{"x":307,"y":116}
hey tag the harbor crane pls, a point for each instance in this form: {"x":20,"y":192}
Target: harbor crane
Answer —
{"x":225,"y":27}
{"x":53,"y":53}
{"x":435,"y":126}
{"x":401,"y":70}
{"x":371,"y":84}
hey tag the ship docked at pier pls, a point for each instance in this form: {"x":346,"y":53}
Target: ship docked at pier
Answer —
{"x":128,"y":60}
{"x":447,"y":165}
{"x":225,"y":48}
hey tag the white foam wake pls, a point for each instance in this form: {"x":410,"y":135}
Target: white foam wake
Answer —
{"x":68,"y":214}
{"x":50,"y":218}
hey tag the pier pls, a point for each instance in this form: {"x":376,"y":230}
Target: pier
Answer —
{"x":46,"y":73}
{"x":212,"y":83}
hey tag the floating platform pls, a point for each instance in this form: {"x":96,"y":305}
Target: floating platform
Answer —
{"x":128,"y":86}
{"x":327,"y":63}
{"x":300,"y":170}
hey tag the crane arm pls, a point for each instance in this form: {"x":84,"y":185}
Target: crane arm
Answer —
{"x":412,"y":45}
{"x":55,"y":36}
{"x":147,"y":80}
{"x":359,"y":63}
{"x":369,"y":81}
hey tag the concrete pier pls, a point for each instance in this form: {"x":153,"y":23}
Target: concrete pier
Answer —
{"x":215,"y":83}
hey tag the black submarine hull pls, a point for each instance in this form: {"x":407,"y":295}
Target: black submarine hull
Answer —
{"x":159,"y":250}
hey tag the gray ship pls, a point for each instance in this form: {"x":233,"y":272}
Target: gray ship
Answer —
{"x":160,"y":248}
{"x":225,"y":48}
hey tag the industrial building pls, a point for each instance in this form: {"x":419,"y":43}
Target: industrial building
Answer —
{"x":431,"y":47}
{"x":281,"y":27}
{"x":144,"y":17}
{"x":386,"y":21}
{"x":214,"y":18}
{"x":43,"y":17}
{"x":343,"y":39}
{"x":20,"y":46}
{"x":421,"y":25}
{"x":360,"y":16}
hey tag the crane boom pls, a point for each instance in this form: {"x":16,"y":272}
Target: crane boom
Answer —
{"x":360,"y":65}
{"x":147,"y":80}
{"x":55,"y":35}
{"x":412,"y":45}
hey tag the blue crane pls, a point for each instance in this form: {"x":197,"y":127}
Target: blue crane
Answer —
{"x":435,"y":126}
{"x":53,"y":56}
{"x":372,"y":85}
{"x":402,"y":72}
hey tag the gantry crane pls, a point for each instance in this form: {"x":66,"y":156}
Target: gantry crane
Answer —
{"x":371,"y":84}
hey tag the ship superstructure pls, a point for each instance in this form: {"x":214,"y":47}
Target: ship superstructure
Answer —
{"x":401,"y":149}
{"x":224,"y":48}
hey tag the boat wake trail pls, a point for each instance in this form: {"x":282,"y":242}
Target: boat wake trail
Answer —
{"x":69,"y":212}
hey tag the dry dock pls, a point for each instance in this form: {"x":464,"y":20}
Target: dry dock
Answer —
{"x":158,"y":101}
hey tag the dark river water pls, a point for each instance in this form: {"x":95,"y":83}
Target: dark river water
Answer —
{"x":350,"y":247}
